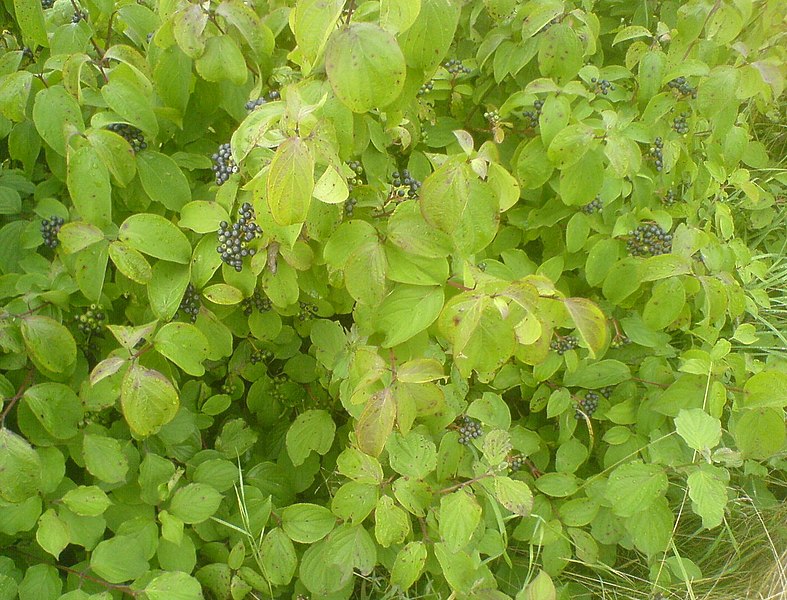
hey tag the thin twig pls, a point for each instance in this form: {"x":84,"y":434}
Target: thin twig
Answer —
{"x":459,"y":486}
{"x":16,"y":397}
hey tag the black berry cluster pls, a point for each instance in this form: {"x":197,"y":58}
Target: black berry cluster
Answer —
{"x":79,"y":15}
{"x":190,"y":302}
{"x":563,"y":344}
{"x":586,"y":405}
{"x":426,"y":88}
{"x":456,"y":68}
{"x":234,"y":239}
{"x":273,"y":95}
{"x":252,"y":104}
{"x":606,"y":391}
{"x":681,"y":85}
{"x":593,"y":207}
{"x":534,"y":114}
{"x":224,"y":165}
{"x":49,"y":229}
{"x":357,"y":176}
{"x":679,"y":124}
{"x":656,"y":153}
{"x":258,"y":356}
{"x":469,"y":429}
{"x":349,"y":206}
{"x":47,"y":4}
{"x":649,"y":240}
{"x":256,"y":300}
{"x":131,"y":134}
{"x":669,"y":198}
{"x":492,"y":116}
{"x":307,"y":311}
{"x":404,"y":185}
{"x":602,"y":86}
{"x":92,"y":321}
{"x":515,"y":463}
{"x":620,"y":340}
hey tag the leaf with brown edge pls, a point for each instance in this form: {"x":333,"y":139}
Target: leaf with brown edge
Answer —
{"x":376,"y":422}
{"x":590,"y":322}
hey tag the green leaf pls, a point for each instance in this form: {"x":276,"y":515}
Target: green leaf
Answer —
{"x":557,"y":485}
{"x":533,"y":166}
{"x":202,"y":217}
{"x":407,"y":311}
{"x":354,"y":501}
{"x":78,"y":235}
{"x":426,"y":43}
{"x":195,"y":502}
{"x":20,"y":468}
{"x":119,"y":559}
{"x":560,"y":53}
{"x":460,"y":514}
{"x":665,"y":303}
{"x":412,"y":455}
{"x":221,"y":293}
{"x":116,"y":154}
{"x":278,"y":557}
{"x":128,"y":97}
{"x":89,"y":186}
{"x":311,"y":430}
{"x":708,"y":493}
{"x":149,"y":401}
{"x":166,"y":288}
{"x":398,"y":15}
{"x":174,"y":585}
{"x":162,"y":180}
{"x":376,"y":422}
{"x":409,"y":231}
{"x":514,"y":495}
{"x":590,"y":323}
{"x":30,"y":18}
{"x":598,"y":374}
{"x":222,"y":60}
{"x":244,"y":19}
{"x":633,"y":487}
{"x":313,"y":21}
{"x":307,"y":523}
{"x":408,"y":565}
{"x":581,"y":182}
{"x":88,"y":501}
{"x":104,"y":458}
{"x":290,"y":182}
{"x":183,"y":344}
{"x":57,"y":408}
{"x":41,"y":582}
{"x":57,"y":117}
{"x":52,"y":533}
{"x":698,"y":429}
{"x":765,"y":389}
{"x":541,"y":588}
{"x":49,"y":343}
{"x":188,"y":29}
{"x":365,"y":66}
{"x":444,"y":196}
{"x":570,"y":145}
{"x":760,"y":432}
{"x":391,"y":523}
{"x":91,"y":267}
{"x":155,"y":236}
{"x":130,"y":262}
{"x":364,"y":273}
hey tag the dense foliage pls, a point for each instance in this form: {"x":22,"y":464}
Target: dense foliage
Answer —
{"x":400,"y":298}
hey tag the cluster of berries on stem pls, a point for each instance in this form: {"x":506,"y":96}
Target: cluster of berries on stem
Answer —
{"x":256,"y":300}
{"x":426,"y":88}
{"x":589,"y":404}
{"x":469,"y":429}
{"x":602,"y":86}
{"x":649,"y":240}
{"x":669,"y":198}
{"x":47,"y":4}
{"x":679,"y":124}
{"x":535,"y":114}
{"x":563,"y":344}
{"x":258,"y":356}
{"x":79,"y":15}
{"x":92,"y":321}
{"x":404,"y":185}
{"x":656,"y":153}
{"x":493,"y":117}
{"x":455,"y":67}
{"x":306,"y":311}
{"x":593,"y":207}
{"x":49,"y":229}
{"x":190,"y":302}
{"x":357,"y":177}
{"x":234,"y":239}
{"x":131,"y":134}
{"x":223,"y":164}
{"x":255,"y":102}
{"x":681,"y":85}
